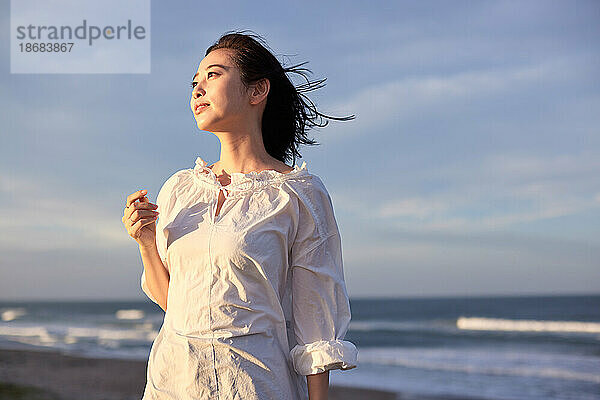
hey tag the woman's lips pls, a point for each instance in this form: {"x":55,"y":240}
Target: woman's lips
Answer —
{"x":200,"y":108}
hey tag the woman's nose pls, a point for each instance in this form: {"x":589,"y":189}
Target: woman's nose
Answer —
{"x":197,"y":93}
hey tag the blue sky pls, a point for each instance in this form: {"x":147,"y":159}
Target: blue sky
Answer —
{"x":472,"y":167}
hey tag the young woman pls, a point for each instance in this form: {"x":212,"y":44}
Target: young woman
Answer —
{"x":247,"y":249}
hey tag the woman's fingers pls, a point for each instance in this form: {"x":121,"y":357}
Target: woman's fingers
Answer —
{"x":133,"y":205}
{"x":134,"y":232}
{"x":140,"y":209}
{"x":138,"y":214}
{"x":141,"y":206}
{"x":134,"y":196}
{"x":143,"y":222}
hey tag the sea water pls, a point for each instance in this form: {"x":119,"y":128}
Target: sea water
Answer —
{"x":529,"y":347}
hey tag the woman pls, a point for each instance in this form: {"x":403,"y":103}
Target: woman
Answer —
{"x":248,"y":248}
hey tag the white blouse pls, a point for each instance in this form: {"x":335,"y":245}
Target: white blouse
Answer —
{"x":257,"y":298}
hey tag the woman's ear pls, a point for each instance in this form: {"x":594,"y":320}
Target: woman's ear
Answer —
{"x":259,"y":91}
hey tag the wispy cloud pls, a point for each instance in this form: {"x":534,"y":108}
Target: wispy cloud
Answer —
{"x":495,"y":191}
{"x":390,"y":103}
{"x":39,"y":216}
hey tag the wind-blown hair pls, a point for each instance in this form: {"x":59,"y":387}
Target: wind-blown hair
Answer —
{"x":288,"y":114}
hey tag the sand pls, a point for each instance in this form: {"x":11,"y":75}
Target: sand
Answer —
{"x":50,"y":375}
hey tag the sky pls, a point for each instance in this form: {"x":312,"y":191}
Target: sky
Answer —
{"x":472,"y":167}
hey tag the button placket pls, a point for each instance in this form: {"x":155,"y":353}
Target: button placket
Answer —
{"x":210,"y":272}
{"x":214,"y":377}
{"x":226,"y":196}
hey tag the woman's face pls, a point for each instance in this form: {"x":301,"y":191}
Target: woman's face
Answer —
{"x":218,"y":83}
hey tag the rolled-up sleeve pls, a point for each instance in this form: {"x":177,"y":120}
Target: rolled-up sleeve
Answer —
{"x":320,"y":303}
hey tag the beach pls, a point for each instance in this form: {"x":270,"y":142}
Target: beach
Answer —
{"x":408,"y":349}
{"x":45,"y":375}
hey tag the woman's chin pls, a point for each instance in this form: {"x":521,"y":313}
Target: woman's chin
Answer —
{"x":201,"y":125}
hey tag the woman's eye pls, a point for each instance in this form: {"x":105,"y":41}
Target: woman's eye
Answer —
{"x":193,"y":84}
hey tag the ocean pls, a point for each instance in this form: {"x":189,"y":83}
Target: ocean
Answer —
{"x":527,"y":347}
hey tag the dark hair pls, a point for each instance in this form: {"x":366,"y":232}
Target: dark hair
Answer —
{"x":288,"y":114}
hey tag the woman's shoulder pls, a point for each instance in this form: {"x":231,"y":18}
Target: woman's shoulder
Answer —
{"x":176,"y":177}
{"x":314,"y":202}
{"x":309,"y":184}
{"x":174,"y":181}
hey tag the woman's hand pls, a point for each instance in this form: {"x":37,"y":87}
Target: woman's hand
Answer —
{"x":139,"y":218}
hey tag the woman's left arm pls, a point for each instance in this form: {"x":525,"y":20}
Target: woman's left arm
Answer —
{"x":318,"y":386}
{"x":320,"y":303}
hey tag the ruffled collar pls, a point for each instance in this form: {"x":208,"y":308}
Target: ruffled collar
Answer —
{"x":247,"y":181}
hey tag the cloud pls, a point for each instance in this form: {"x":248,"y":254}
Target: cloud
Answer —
{"x":412,"y":264}
{"x":491,"y":192}
{"x":396,"y":102}
{"x":412,"y":207}
{"x":36,"y":215}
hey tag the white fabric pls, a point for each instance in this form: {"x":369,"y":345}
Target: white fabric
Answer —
{"x":257,"y":297}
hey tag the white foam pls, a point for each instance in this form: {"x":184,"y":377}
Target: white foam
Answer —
{"x":482,"y":361}
{"x":434,"y":325}
{"x":38,"y":332}
{"x":104,"y":334}
{"x":129,"y":314}
{"x":381,"y":325}
{"x":526,"y":325}
{"x":9,"y":314}
{"x":56,"y":334}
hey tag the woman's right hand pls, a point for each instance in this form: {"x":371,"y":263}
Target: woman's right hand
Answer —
{"x":139,"y":218}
